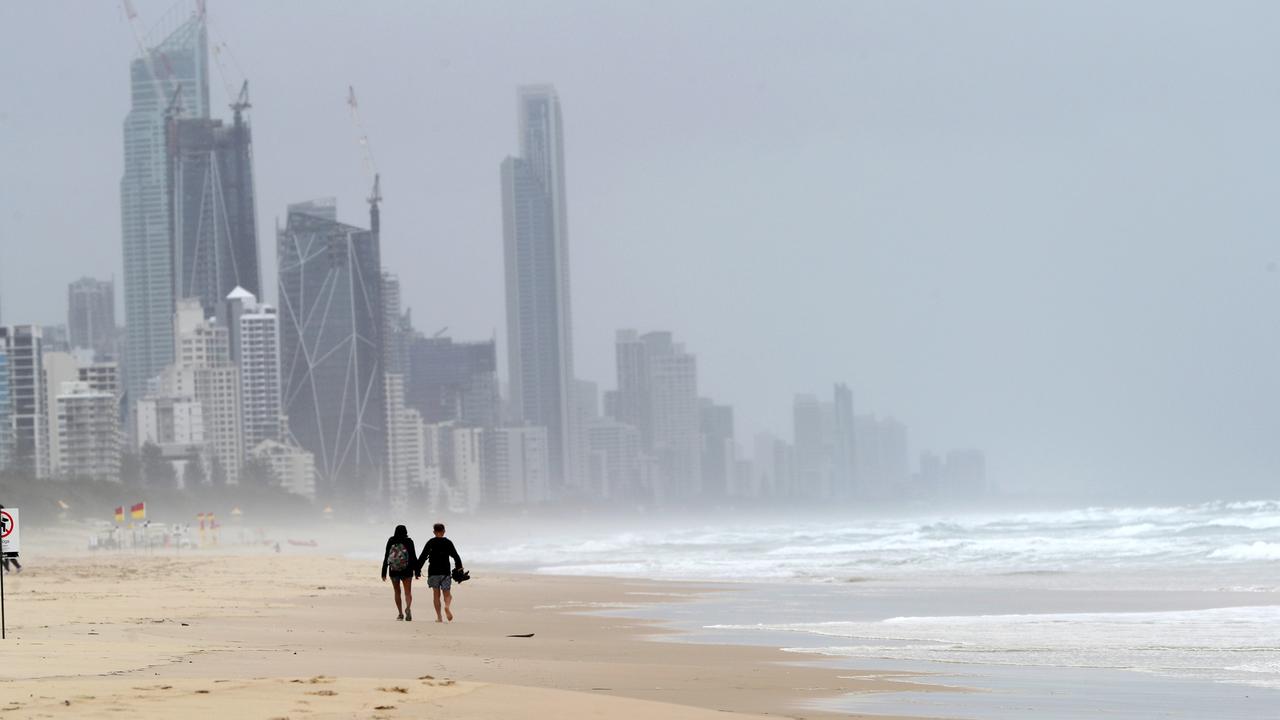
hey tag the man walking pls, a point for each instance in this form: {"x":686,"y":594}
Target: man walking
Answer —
{"x":435,"y":555}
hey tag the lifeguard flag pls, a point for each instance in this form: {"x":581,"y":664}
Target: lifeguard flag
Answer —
{"x":120,"y":514}
{"x":139,"y":511}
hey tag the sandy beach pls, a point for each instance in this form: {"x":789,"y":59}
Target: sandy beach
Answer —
{"x":310,"y":636}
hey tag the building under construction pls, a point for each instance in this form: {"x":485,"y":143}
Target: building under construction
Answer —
{"x":215,"y":234}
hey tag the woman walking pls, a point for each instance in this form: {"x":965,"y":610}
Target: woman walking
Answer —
{"x":401,"y":562}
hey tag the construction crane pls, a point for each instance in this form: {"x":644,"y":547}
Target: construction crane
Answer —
{"x":147,"y":56}
{"x":370,"y":168}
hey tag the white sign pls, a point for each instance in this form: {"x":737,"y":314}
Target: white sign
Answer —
{"x":9,"y":531}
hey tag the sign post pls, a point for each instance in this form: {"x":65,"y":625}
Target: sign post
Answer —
{"x":9,"y":547}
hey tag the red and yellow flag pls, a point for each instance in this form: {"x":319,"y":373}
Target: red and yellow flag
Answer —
{"x":120,"y":514}
{"x":139,"y":511}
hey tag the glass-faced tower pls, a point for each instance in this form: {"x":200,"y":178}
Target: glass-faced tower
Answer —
{"x":172,"y":74}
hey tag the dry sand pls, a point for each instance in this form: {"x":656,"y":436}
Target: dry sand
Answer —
{"x":299,"y":636}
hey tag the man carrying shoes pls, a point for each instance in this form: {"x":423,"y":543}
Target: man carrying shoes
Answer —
{"x":435,"y":555}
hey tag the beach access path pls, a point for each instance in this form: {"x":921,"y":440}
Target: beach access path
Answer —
{"x":311,"y":636}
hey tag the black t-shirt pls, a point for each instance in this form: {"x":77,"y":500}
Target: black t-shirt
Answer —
{"x":409,"y":550}
{"x":436,"y":554}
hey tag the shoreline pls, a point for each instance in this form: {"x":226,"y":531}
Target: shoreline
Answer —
{"x":94,"y":635}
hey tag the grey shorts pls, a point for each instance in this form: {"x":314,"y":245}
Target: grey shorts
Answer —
{"x":443,"y":582}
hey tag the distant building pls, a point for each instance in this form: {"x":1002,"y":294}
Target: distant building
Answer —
{"x":28,"y":421}
{"x":215,"y":229}
{"x":448,"y":381}
{"x":618,"y":460}
{"x":843,"y":448}
{"x":89,"y":432}
{"x":397,"y":327}
{"x":965,"y":475}
{"x":406,"y":450}
{"x":172,"y":73}
{"x":254,"y":341}
{"x":91,"y":316}
{"x":674,"y":412}
{"x":203,"y":371}
{"x":536,"y":251}
{"x":658,"y":394}
{"x":518,"y":470}
{"x":293,"y":467}
{"x":774,"y":468}
{"x":59,"y":367}
{"x":102,"y":377}
{"x":331,"y":346}
{"x":175,"y":424}
{"x":719,"y":452}
{"x":813,"y":450}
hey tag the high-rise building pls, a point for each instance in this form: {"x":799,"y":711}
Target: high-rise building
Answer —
{"x":89,"y":432}
{"x":406,"y":452}
{"x":450,"y":381}
{"x":254,"y":345}
{"x":28,"y":424}
{"x":102,"y":377}
{"x":536,"y":251}
{"x":674,"y":412}
{"x":719,"y":453}
{"x":843,"y":458}
{"x":617,"y":453}
{"x":632,"y":398}
{"x":397,"y":327}
{"x":91,"y":316}
{"x":517,"y":471}
{"x":171,"y":74}
{"x":59,"y":368}
{"x":175,"y":424}
{"x":331,"y":346}
{"x":215,"y":230}
{"x":812,"y":447}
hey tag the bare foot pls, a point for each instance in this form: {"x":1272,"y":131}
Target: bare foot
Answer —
{"x":439,"y":619}
{"x":449,"y":614}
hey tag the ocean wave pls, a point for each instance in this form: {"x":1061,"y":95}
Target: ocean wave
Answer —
{"x":1258,"y":550}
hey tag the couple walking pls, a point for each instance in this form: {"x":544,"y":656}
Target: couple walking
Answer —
{"x":400,"y":562}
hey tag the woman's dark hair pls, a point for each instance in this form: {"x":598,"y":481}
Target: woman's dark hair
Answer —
{"x":401,"y":532}
{"x":438,"y":527}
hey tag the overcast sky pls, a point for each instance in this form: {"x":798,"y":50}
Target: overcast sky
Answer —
{"x":1045,"y":229}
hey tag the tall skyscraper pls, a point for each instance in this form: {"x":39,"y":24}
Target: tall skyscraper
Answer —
{"x":215,"y":229}
{"x":536,"y":250}
{"x":172,"y":73}
{"x":331,"y":346}
{"x":91,"y":316}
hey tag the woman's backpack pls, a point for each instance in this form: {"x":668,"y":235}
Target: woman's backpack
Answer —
{"x":398,"y":558}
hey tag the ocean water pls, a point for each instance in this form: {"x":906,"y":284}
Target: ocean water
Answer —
{"x":1178,"y":597}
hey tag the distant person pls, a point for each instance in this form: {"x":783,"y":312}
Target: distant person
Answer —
{"x":400,"y":561}
{"x":435,"y":555}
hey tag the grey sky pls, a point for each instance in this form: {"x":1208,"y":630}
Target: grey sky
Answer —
{"x":1044,"y":229}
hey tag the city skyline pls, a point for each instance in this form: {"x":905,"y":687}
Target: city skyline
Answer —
{"x":917,"y":334}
